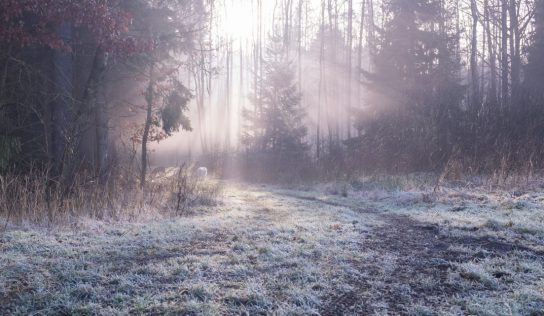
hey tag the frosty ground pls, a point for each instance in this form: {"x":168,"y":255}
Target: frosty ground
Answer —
{"x":316,"y":250}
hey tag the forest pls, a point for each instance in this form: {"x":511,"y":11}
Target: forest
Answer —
{"x":284,"y":157}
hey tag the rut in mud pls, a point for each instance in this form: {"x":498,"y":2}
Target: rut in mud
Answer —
{"x":420,"y":275}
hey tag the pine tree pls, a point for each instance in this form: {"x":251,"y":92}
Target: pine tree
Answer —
{"x":416,"y":78}
{"x":534,"y":70}
{"x":275,"y":128}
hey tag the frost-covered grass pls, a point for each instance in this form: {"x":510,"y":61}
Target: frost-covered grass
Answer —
{"x":512,"y":284}
{"x":515,"y":214}
{"x":496,"y":232}
{"x":517,"y":217}
{"x":256,"y":254}
{"x":327,"y":249}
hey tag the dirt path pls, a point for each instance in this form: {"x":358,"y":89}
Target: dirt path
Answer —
{"x":424,"y":258}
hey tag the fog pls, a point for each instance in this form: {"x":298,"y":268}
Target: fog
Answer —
{"x":271,"y":157}
{"x":366,"y":85}
{"x":239,"y":31}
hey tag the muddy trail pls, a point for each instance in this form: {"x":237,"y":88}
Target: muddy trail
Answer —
{"x":410,"y":266}
{"x":420,"y":275}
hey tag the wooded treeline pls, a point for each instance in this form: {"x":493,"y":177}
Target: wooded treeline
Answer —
{"x":82,"y":80}
{"x":421,"y":85}
{"x":460,"y":88}
{"x":321,"y":87}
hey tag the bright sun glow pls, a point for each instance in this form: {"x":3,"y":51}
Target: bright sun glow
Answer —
{"x":239,"y":19}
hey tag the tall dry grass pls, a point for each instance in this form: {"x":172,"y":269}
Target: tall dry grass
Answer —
{"x":34,"y":198}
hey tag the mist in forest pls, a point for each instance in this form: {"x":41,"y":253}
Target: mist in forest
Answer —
{"x":323,"y":88}
{"x":240,"y":30}
{"x":271,"y":157}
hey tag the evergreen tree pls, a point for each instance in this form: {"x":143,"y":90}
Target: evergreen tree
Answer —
{"x":416,"y":79}
{"x":275,"y":128}
{"x":534,"y":70}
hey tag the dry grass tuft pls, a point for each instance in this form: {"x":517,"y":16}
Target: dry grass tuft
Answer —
{"x":34,"y":198}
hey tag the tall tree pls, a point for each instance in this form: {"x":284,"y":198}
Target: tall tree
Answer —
{"x":349,"y":65}
{"x":505,"y":67}
{"x":59,"y":25}
{"x":321,"y":81}
{"x":491,"y":50}
{"x":534,"y":70}
{"x":474,"y":78}
{"x":416,"y":74}
{"x":277,"y":130}
{"x":170,"y":27}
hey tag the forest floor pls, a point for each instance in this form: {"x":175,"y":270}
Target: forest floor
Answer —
{"x":305,"y":251}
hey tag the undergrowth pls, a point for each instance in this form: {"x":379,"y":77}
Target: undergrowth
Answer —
{"x":34,"y":198}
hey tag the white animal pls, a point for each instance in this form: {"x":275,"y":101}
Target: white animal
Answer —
{"x":202,"y":172}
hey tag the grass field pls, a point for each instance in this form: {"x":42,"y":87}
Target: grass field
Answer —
{"x":321,"y":250}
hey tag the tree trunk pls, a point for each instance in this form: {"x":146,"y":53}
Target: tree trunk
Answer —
{"x":287,"y":26}
{"x":299,"y":48}
{"x":360,"y":56}
{"x":492,"y":55}
{"x":4,"y":79}
{"x":102,"y":132}
{"x":349,"y":65}
{"x":92,"y":103}
{"x":63,"y":112}
{"x":150,"y":99}
{"x":504,"y":53}
{"x":474,"y":84}
{"x":320,"y":96}
{"x":515,"y":50}
{"x":228,"y":96}
{"x":483,"y":63}
{"x":241,"y":96}
{"x":371,"y":28}
{"x":200,"y":85}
